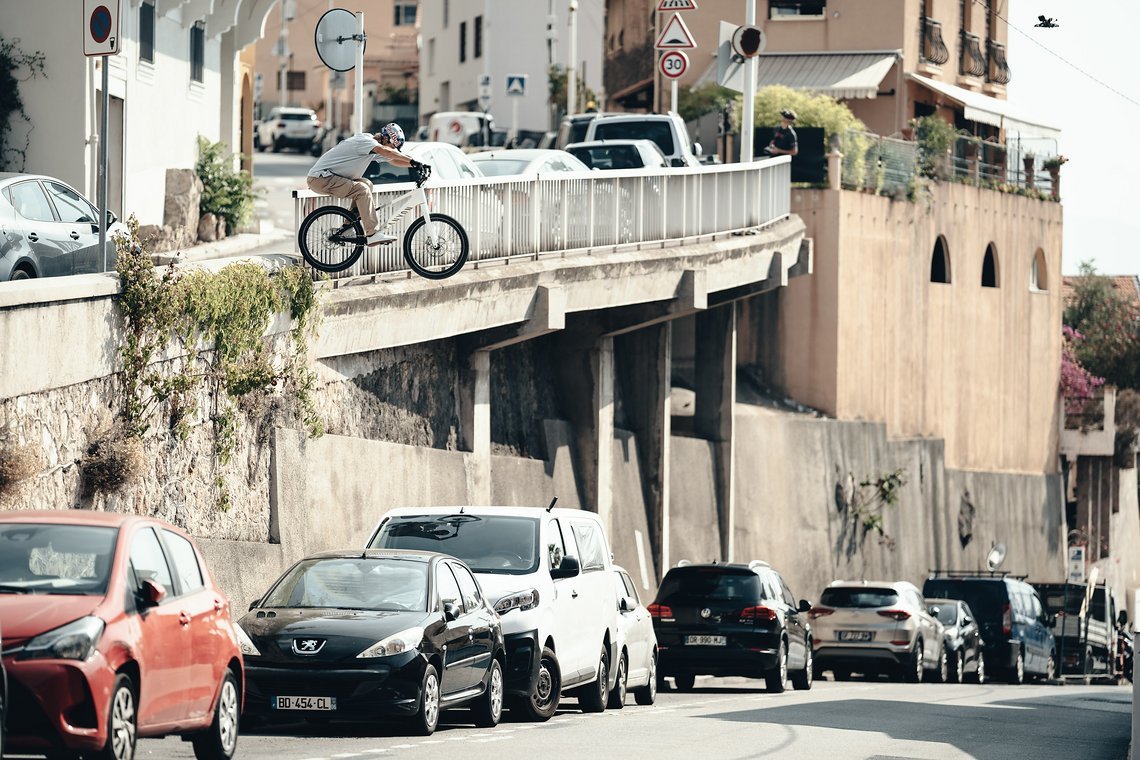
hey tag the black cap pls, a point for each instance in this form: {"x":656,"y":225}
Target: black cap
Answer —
{"x":789,"y":114}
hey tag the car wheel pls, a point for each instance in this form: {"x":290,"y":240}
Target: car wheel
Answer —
{"x":427,"y":718}
{"x":593,"y":697}
{"x":685,"y":682}
{"x":21,"y":274}
{"x":958,"y":666}
{"x":980,"y":672}
{"x":122,"y":723}
{"x":915,"y":670}
{"x":776,"y":679}
{"x":802,"y":679}
{"x":1050,"y":667}
{"x":841,"y":675}
{"x":1017,"y":672}
{"x":489,"y":709}
{"x":941,"y":674}
{"x":617,"y":694}
{"x":544,"y":694}
{"x":278,"y":144}
{"x":220,"y":741}
{"x":647,"y":694}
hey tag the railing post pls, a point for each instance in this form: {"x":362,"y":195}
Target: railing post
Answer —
{"x":535,"y":207}
{"x":835,"y":169}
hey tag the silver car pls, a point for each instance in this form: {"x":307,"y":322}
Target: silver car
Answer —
{"x":637,"y":668}
{"x":48,"y":229}
{"x":875,"y":627}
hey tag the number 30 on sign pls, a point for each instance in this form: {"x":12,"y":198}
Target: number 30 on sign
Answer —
{"x":674,"y":64}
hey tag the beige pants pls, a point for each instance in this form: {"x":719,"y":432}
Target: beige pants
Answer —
{"x":359,"y":190}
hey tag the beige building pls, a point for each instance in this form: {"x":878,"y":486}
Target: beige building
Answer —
{"x":391,"y":59}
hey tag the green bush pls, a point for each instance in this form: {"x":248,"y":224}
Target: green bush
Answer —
{"x":226,"y":192}
{"x":934,"y":136}
{"x":695,"y":102}
{"x":823,"y":111}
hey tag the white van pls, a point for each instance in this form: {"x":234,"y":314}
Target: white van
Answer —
{"x":456,"y":126}
{"x":549,"y":574}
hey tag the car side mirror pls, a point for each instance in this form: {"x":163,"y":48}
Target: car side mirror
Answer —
{"x":805,"y":606}
{"x":568,"y":568}
{"x":253,"y":604}
{"x":151,"y":593}
{"x":111,"y":218}
{"x":932,"y":610}
{"x":1050,"y":620}
{"x":1122,"y":619}
{"x":626,"y":604}
{"x":450,"y":611}
{"x":697,"y":149}
{"x":676,"y":162}
{"x":967,"y":620}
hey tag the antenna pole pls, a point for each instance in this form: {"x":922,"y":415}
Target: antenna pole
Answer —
{"x":358,"y":127}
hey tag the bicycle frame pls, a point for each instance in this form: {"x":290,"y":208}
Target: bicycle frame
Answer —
{"x":408,"y":200}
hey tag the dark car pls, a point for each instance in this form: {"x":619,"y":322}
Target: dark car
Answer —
{"x":731,"y":620}
{"x":1015,"y":628}
{"x":356,"y":635}
{"x":963,"y":640}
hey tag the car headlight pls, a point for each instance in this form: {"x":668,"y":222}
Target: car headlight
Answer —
{"x":74,"y":641}
{"x":397,"y":643}
{"x":245,"y":643}
{"x":520,"y":600}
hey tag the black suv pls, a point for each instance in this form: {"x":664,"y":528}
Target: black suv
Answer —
{"x":1015,"y":627}
{"x":731,"y":620}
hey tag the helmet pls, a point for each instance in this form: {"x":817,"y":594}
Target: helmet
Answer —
{"x":394,"y":134}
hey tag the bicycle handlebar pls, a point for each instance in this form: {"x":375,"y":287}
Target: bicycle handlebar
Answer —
{"x":420,"y":172}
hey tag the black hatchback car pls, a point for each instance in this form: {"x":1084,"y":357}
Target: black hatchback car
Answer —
{"x":356,"y":635}
{"x":731,"y":620}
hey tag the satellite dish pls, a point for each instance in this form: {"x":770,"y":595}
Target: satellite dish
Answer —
{"x":996,"y":556}
{"x":336,"y":37}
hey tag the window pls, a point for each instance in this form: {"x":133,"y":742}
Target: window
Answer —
{"x":431,"y":56}
{"x":1039,"y":273}
{"x":46,"y":558}
{"x":146,"y":32}
{"x":789,"y":597}
{"x":185,"y":561}
{"x":31,"y":203}
{"x":989,"y":268}
{"x":715,"y":583}
{"x":462,"y":41}
{"x":72,"y":208}
{"x":591,"y":544}
{"x":792,"y":8}
{"x":148,"y":561}
{"x":486,"y":543}
{"x":630,"y":590}
{"x":940,"y":262}
{"x":197,"y":51}
{"x":472,"y":599}
{"x":446,"y":12}
{"x":447,"y":586}
{"x":478,"y":31}
{"x":295,"y":80}
{"x":405,"y":14}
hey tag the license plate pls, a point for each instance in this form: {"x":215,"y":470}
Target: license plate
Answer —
{"x":854,"y":635}
{"x":705,"y":641}
{"x":304,"y":703}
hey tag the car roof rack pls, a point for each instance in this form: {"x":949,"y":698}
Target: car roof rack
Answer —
{"x":937,"y":573}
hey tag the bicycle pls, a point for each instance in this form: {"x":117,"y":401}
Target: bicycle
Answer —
{"x":332,"y":239}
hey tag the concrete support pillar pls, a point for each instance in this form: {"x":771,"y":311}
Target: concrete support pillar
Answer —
{"x":715,"y":375}
{"x":645,"y":365}
{"x":474,"y":394}
{"x":602,"y":364}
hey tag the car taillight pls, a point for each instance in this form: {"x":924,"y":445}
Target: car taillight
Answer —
{"x":756,"y":614}
{"x":818,"y":612}
{"x":1006,"y":620}
{"x":895,"y":614}
{"x":660,"y":611}
{"x":281,"y":125}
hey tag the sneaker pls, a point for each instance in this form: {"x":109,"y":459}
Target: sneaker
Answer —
{"x":379,"y":238}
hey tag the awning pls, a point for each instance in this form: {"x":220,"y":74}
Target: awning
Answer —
{"x":986,"y":110}
{"x":840,"y":75}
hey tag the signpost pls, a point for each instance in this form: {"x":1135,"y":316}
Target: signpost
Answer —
{"x":674,"y":38}
{"x":516,"y":88}
{"x":1076,"y":573}
{"x":101,"y":38}
{"x":673,"y":64}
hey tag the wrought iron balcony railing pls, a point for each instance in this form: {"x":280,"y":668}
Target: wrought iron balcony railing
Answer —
{"x":972,"y":62}
{"x":999,"y":72}
{"x":933,"y":48}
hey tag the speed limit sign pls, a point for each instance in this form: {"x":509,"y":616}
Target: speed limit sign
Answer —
{"x":674,"y":63}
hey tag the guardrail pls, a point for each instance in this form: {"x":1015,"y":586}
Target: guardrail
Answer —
{"x":566,"y":214}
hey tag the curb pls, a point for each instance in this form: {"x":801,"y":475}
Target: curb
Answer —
{"x":231,"y":246}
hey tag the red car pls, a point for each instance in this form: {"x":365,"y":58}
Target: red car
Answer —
{"x":113,"y":629}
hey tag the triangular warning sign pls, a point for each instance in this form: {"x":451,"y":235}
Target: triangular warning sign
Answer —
{"x":677,"y":5}
{"x":676,"y":36}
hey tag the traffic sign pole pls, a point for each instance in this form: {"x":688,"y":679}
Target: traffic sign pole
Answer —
{"x":748,"y":116}
{"x":103,"y":101}
{"x":359,"y":78}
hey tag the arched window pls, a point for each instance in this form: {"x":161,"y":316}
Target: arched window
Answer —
{"x":1039,"y":272}
{"x":940,"y":261}
{"x":990,"y":268}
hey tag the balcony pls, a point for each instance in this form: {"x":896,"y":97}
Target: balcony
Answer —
{"x":934,"y":50}
{"x":1090,"y":429}
{"x":971,"y":62}
{"x":998,"y":69}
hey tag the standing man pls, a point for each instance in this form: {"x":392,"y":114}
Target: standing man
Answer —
{"x":340,"y":173}
{"x":784,"y":142}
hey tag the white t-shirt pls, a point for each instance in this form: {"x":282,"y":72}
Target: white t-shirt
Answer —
{"x":348,"y":159}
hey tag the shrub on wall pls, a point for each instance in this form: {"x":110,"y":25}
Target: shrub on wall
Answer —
{"x":226,"y":192}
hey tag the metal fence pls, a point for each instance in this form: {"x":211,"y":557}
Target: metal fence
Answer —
{"x":557,"y":215}
{"x":876,"y":163}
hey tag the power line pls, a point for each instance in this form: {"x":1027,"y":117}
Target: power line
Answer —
{"x":1057,"y":55}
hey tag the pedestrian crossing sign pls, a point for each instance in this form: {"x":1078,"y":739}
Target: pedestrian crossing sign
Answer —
{"x":516,"y":84}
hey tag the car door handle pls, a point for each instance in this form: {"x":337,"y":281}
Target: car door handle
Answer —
{"x":573,"y":593}
{"x":74,"y":235}
{"x":33,"y":237}
{"x":184,"y":618}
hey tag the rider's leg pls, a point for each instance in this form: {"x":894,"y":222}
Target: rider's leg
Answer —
{"x":360,"y":192}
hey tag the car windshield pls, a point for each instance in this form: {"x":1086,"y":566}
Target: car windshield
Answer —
{"x":487,"y":543}
{"x":859,"y":597}
{"x":383,"y":173}
{"x":297,"y":116}
{"x":355,"y":583}
{"x":714,"y":583}
{"x":986,"y":598}
{"x":38,"y":558}
{"x":947,"y":613}
{"x":609,"y":157}
{"x":502,"y":167}
{"x":657,"y":131}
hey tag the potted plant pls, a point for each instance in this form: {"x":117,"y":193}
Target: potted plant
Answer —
{"x":1053,"y":164}
{"x":1028,"y":159}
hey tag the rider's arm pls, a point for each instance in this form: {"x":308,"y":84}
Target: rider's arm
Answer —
{"x":394,"y":156}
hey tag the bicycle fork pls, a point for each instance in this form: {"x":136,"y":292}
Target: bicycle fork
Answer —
{"x":428,"y":224}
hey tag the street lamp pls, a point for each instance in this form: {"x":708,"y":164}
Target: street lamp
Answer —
{"x":571,"y":71}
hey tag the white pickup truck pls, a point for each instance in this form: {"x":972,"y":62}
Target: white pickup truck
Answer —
{"x":1085,"y":646}
{"x":667,"y":130}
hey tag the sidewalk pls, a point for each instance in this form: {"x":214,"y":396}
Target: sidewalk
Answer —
{"x":278,"y":239}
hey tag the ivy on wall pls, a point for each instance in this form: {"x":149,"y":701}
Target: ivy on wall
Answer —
{"x":15,"y":66}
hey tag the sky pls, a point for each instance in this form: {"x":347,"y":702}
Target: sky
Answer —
{"x":1100,"y":186}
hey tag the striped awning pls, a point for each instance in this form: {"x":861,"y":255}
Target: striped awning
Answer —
{"x":840,"y":75}
{"x":986,"y":110}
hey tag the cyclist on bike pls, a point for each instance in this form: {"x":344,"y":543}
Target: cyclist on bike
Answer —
{"x":340,"y":173}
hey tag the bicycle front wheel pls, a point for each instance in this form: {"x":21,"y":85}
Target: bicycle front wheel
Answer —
{"x":439,"y":260}
{"x":330,"y":239}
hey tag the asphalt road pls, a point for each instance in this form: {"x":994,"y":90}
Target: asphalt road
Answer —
{"x":275,"y":176}
{"x":734,"y":718}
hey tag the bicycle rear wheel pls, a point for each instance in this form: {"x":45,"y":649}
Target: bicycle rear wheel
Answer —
{"x":321,"y":243}
{"x":446,"y":257}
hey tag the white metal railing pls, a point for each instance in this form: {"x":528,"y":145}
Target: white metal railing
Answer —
{"x":507,"y":217}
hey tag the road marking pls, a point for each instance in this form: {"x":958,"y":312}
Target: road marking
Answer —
{"x":403,"y":746}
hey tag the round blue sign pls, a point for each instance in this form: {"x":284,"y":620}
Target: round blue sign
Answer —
{"x":100,"y":24}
